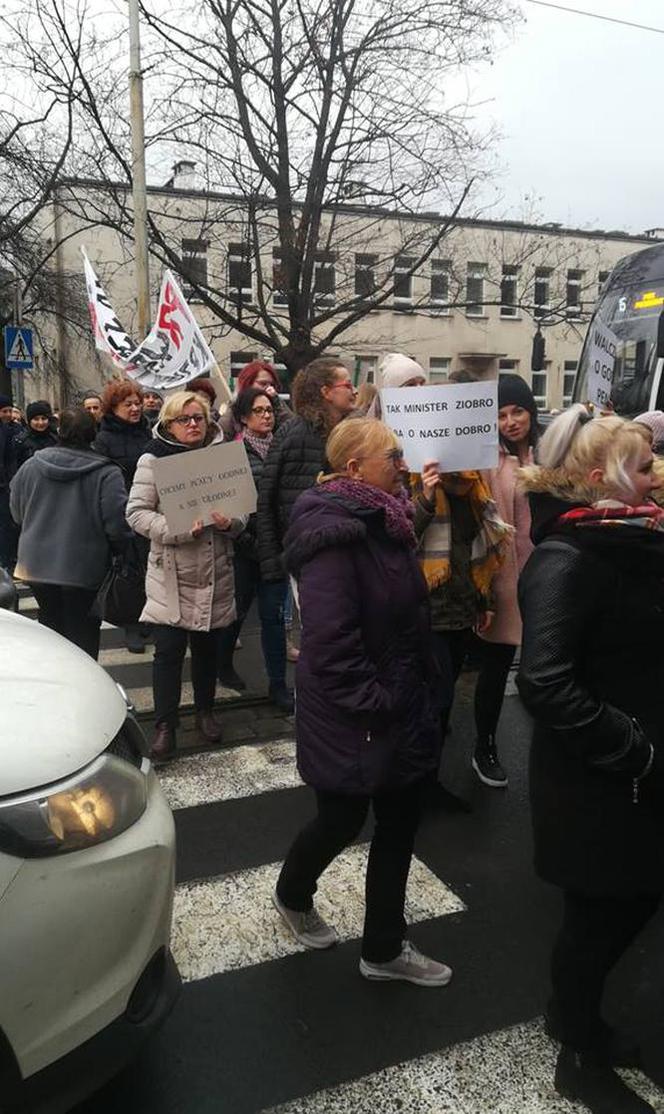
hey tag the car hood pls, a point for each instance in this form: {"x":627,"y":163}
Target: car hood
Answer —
{"x":58,"y":708}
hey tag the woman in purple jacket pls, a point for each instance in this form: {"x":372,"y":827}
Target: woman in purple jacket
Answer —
{"x":367,"y":728}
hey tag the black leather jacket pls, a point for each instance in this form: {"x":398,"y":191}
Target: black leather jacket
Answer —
{"x":592,"y":677}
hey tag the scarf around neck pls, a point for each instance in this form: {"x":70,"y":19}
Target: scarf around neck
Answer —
{"x":397,"y":509}
{"x":608,"y":513}
{"x":260,"y":445}
{"x":489,"y":544}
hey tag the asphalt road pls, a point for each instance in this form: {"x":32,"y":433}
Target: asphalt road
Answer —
{"x":262,"y":1025}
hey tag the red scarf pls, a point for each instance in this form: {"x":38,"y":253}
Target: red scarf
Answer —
{"x":648,"y":516}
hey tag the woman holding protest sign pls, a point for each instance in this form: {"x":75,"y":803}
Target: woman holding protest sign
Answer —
{"x":254,"y":413}
{"x":190,"y":583}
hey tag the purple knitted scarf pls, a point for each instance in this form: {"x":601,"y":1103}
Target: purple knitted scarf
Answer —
{"x":399,"y":510}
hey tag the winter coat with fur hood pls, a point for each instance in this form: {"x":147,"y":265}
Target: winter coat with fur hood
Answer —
{"x":189,"y":581}
{"x":592,"y":677}
{"x":365,"y":716}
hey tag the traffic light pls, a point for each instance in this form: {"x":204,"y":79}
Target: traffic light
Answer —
{"x":539,"y":352}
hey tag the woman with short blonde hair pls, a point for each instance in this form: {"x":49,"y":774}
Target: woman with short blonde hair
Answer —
{"x":365,"y":718}
{"x":592,"y":677}
{"x":190,"y":586}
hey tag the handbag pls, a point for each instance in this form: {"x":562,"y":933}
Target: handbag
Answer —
{"x":121,"y":597}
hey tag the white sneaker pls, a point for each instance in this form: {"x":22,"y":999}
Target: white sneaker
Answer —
{"x":410,"y":966}
{"x":309,"y":928}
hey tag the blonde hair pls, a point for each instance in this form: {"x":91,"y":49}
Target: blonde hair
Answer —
{"x":175,"y":404}
{"x":576,"y":443}
{"x":355,"y":438}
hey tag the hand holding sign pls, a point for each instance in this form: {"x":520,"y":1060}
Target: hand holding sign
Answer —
{"x":455,"y":424}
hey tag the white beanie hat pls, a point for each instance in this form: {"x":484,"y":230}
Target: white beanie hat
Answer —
{"x":396,"y":369}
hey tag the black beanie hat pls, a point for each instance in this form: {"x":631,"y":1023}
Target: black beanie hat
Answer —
{"x":5,"y":401}
{"x":39,"y":409}
{"x":514,"y":391}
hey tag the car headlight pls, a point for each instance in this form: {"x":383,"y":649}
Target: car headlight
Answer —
{"x":95,"y":805}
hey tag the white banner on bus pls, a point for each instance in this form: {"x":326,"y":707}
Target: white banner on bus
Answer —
{"x":454,"y":424}
{"x":601,"y":358}
{"x":109,"y":335}
{"x":175,"y":350}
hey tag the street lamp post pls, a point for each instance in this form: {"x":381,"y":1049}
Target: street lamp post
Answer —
{"x":139,"y":193}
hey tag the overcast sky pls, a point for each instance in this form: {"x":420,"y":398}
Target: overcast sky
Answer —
{"x":579,"y":104}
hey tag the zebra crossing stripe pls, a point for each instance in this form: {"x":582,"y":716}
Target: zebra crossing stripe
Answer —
{"x":228,"y":775}
{"x":504,"y":1072}
{"x":228,"y":923}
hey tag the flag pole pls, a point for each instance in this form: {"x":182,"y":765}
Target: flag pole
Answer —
{"x":139,"y":192}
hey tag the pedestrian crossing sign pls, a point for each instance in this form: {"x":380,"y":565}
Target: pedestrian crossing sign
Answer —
{"x":18,"y":348}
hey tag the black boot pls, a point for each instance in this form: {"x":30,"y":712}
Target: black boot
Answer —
{"x":581,"y":1077}
{"x":282,"y":698}
{"x":163,"y":745}
{"x":486,"y":764}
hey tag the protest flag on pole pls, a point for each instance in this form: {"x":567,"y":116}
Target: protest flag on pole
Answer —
{"x":109,"y":335}
{"x":175,"y":350}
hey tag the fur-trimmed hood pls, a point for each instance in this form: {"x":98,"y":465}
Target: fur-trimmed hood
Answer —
{"x":551,"y":492}
{"x":322,"y":519}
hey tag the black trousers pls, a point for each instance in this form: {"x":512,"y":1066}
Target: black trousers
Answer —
{"x":339,"y":821}
{"x":450,"y":648}
{"x":8,"y":533}
{"x":69,"y":612}
{"x":170,"y":649}
{"x":595,"y":933}
{"x":495,"y":661}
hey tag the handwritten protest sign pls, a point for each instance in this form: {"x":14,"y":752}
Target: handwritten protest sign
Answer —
{"x":192,"y":485}
{"x":455,"y":424}
{"x":601,"y":358}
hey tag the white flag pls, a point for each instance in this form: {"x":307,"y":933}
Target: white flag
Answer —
{"x":175,"y":350}
{"x":109,"y":335}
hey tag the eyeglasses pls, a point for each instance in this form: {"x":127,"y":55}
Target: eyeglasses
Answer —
{"x":186,"y":419}
{"x":261,"y":411}
{"x":345,"y":383}
{"x":395,"y":457}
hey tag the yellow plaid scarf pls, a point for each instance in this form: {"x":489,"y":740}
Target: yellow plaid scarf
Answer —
{"x":489,"y":545}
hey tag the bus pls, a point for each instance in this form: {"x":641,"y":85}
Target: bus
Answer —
{"x":631,"y":304}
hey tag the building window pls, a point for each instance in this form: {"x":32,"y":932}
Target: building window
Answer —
{"x":403,"y":281}
{"x":440,"y":282}
{"x":573,"y":294}
{"x":365,"y":277}
{"x":508,"y":365}
{"x":475,"y":289}
{"x":194,"y":267}
{"x":439,"y":368}
{"x":238,"y":360}
{"x":365,"y":367}
{"x":508,"y":291}
{"x":538,"y":385}
{"x":601,"y":280}
{"x":569,"y":378}
{"x":239,"y":273}
{"x":279,"y":285}
{"x":542,"y":292}
{"x":324,"y":278}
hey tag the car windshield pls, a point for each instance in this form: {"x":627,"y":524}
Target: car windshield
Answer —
{"x":633,"y":315}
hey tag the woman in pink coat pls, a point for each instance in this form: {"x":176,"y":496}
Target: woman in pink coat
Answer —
{"x":517,"y":425}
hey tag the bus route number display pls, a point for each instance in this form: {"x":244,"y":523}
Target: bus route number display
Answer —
{"x":602,"y":357}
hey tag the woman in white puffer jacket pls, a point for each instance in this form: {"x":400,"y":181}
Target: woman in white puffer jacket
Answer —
{"x":189,"y":586}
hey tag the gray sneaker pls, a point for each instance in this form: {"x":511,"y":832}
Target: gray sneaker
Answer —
{"x":410,"y":966}
{"x":309,"y":928}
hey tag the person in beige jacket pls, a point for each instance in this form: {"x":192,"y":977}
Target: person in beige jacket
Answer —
{"x":189,"y":586}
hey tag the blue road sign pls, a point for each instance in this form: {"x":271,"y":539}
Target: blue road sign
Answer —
{"x":18,"y":348}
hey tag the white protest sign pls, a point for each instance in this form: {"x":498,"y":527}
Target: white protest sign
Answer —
{"x":455,"y":424}
{"x":601,"y":358}
{"x":192,"y":485}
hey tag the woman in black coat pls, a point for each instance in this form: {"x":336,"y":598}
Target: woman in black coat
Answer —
{"x":124,"y":435}
{"x":592,"y":676}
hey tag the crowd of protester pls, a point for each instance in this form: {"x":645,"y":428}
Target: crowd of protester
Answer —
{"x":397,"y":578}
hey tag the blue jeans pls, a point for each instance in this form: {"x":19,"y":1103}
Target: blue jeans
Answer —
{"x":271,"y":595}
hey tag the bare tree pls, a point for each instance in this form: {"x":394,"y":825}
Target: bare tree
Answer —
{"x":314,"y":124}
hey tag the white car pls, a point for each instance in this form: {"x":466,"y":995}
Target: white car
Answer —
{"x":87,"y":854}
